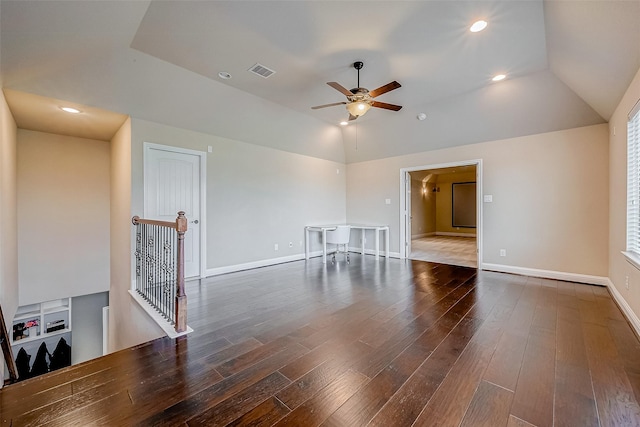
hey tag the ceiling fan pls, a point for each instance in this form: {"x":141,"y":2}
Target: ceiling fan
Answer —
{"x":361,"y":99}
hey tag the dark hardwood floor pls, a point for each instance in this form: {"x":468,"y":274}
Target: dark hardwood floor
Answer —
{"x":381,"y":343}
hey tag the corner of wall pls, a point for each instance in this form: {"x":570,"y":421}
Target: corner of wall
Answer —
{"x":128,"y":324}
{"x":8,"y":216}
{"x":8,"y":211}
{"x":624,"y":278}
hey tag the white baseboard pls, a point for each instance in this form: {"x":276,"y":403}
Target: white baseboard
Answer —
{"x":157,"y":317}
{"x":257,"y":264}
{"x":547,"y":274}
{"x":446,"y":233}
{"x":274,"y":261}
{"x":631,"y":316}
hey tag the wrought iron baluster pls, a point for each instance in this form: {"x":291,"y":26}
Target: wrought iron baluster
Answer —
{"x":160,"y":267}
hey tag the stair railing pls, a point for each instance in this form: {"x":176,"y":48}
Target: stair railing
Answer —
{"x":6,"y":350}
{"x":160,"y":267}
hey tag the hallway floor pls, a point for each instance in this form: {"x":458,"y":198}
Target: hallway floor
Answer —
{"x":446,"y":250}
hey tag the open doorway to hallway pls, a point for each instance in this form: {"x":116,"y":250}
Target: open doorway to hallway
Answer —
{"x":443,"y":220}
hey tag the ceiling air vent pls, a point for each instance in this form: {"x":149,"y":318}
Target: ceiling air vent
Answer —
{"x":261,"y":70}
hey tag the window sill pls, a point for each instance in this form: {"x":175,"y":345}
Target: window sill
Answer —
{"x":632,"y":258}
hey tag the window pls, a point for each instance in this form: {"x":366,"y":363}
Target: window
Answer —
{"x":633,"y":184}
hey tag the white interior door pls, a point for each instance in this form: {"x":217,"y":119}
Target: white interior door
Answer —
{"x":172,"y":184}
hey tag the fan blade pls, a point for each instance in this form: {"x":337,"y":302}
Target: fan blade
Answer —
{"x":328,"y":105}
{"x":386,"y":106}
{"x":352,"y":117}
{"x":384,"y":89}
{"x":343,"y":90}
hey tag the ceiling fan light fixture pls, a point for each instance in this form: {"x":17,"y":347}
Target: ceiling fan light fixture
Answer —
{"x":478,"y":26}
{"x":358,"y":108}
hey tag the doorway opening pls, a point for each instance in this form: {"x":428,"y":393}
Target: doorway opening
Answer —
{"x":441,"y":213}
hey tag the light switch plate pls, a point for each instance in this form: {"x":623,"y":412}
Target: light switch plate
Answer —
{"x":387,"y":201}
{"x":488,"y":198}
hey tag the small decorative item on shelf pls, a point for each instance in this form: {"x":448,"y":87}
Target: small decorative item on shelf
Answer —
{"x":32,"y":327}
{"x":55,"y":326}
{"x":18,"y":331}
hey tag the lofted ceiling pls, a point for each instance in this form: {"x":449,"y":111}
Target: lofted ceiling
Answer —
{"x":567,"y":64}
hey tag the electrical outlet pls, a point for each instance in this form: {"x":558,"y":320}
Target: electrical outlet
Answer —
{"x":626,"y":282}
{"x":503,"y":252}
{"x":290,"y":244}
{"x":275,"y":247}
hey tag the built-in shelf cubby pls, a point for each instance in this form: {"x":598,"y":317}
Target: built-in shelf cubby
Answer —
{"x":34,"y":324}
{"x":36,"y":321}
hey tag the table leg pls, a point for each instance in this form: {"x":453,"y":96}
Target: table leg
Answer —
{"x":362,"y":240}
{"x":386,"y":242}
{"x":324,"y":246}
{"x":306,"y":243}
{"x":377,"y":231}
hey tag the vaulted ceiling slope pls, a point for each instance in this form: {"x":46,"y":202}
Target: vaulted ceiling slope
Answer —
{"x":567,"y":64}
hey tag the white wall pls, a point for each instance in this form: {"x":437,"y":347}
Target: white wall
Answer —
{"x":128,"y":323}
{"x":63,"y":216}
{"x":619,"y":268}
{"x":8,"y":216}
{"x":423,"y":209}
{"x":550,"y":197}
{"x":86,"y":326}
{"x":256,"y":196}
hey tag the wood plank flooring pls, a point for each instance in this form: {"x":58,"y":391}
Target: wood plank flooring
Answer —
{"x":373,"y":342}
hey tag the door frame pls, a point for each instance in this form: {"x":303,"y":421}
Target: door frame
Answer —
{"x":203,"y":192}
{"x":406,"y":179}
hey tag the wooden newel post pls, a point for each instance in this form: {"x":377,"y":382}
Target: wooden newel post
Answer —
{"x":181,"y":296}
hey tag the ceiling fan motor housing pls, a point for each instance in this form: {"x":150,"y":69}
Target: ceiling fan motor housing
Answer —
{"x":360,"y":91}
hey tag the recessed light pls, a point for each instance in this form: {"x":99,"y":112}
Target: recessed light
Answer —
{"x":421,"y":116}
{"x":70,"y":110}
{"x":224,"y":75}
{"x":478,"y":26}
{"x":344,"y":123}
{"x":499,"y":77}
